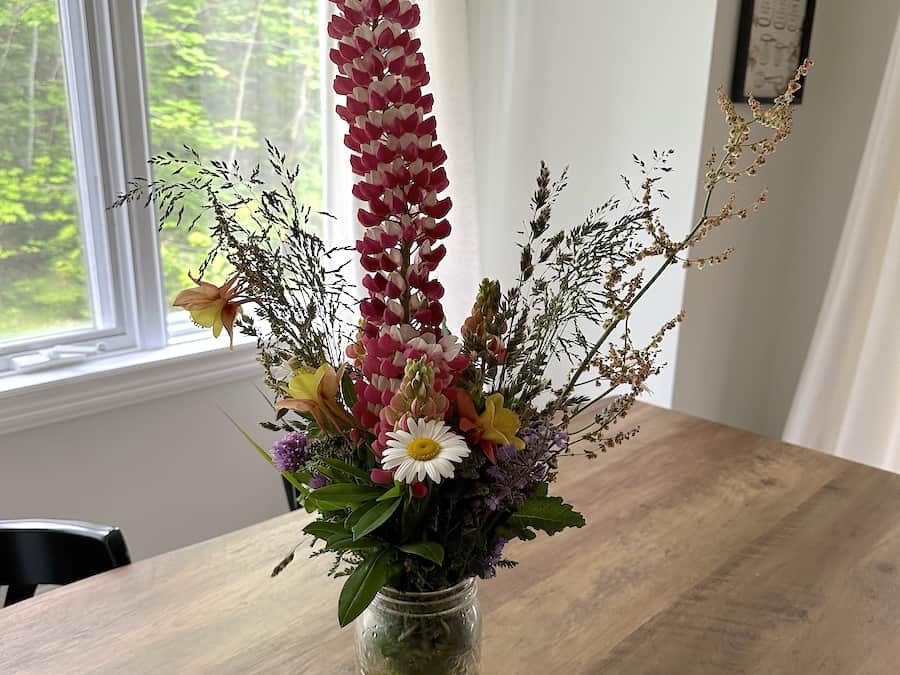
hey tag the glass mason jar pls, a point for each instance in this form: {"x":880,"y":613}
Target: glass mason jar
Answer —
{"x":436,"y":633}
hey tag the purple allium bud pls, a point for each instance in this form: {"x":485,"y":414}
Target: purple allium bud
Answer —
{"x":289,"y":453}
{"x":317,"y":481}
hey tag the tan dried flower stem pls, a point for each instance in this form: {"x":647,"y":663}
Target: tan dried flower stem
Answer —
{"x":670,"y":260}
{"x":779,"y":118}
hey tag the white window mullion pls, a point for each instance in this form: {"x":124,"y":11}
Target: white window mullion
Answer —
{"x":82,"y":95}
{"x":114,"y":27}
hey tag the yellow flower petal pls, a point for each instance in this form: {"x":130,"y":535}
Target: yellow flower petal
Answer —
{"x":304,"y":384}
{"x":208,"y":315}
{"x":314,"y":385}
{"x":500,"y":424}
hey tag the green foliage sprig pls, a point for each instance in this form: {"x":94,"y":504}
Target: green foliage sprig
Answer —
{"x":563,"y":289}
{"x":296,"y":282}
{"x":592,"y":276}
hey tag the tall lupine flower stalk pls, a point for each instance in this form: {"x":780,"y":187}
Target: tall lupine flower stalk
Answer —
{"x":401,"y":174}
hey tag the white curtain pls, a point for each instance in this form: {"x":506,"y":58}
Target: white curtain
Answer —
{"x":848,"y":399}
{"x":444,"y":33}
{"x":444,"y":36}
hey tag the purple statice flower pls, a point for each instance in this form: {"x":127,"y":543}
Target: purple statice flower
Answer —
{"x":290,"y":453}
{"x":510,"y":477}
{"x":317,"y":481}
{"x":509,"y":482}
{"x":517,"y":472}
{"x":491,"y":558}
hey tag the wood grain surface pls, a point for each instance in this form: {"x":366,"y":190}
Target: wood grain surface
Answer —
{"x":707,"y":550}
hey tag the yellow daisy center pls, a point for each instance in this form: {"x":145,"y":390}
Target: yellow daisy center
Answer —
{"x":423,"y":449}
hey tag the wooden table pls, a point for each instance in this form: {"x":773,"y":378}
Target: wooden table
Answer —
{"x":707,"y":550}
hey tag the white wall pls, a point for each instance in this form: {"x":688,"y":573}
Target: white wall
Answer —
{"x":586,"y":83}
{"x":750,"y":322}
{"x":169,"y":472}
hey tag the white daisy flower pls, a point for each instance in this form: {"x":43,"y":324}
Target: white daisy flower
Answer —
{"x":428,"y":448}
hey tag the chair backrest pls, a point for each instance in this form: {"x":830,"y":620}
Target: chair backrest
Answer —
{"x":55,"y":552}
{"x":291,"y":493}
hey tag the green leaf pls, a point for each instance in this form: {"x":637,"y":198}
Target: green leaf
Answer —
{"x":367,"y":579}
{"x":324,"y":530}
{"x":425,"y":549}
{"x":348,"y":393}
{"x":358,"y":513}
{"x":328,"y":472}
{"x":347,"y":469}
{"x":341,"y":495}
{"x":345,"y":542}
{"x":509,"y":531}
{"x":375,"y":517}
{"x":309,"y":503}
{"x":395,"y":491}
{"x":293,"y":480}
{"x":549,"y":514}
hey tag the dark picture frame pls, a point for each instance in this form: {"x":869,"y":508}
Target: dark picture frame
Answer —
{"x":772,"y":41}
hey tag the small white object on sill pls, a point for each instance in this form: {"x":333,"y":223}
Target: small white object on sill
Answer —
{"x":59,"y":356}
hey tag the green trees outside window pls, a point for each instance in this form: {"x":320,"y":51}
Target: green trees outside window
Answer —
{"x":42,"y":273}
{"x":222,"y":77}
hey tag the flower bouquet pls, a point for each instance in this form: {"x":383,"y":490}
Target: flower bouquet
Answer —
{"x":423,"y":451}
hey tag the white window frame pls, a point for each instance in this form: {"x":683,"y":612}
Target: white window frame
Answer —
{"x":102,"y":54}
{"x":146,"y":353}
{"x":119,"y":84}
{"x":119,"y":247}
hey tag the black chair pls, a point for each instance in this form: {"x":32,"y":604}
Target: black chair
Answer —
{"x":291,"y":493}
{"x":55,"y":552}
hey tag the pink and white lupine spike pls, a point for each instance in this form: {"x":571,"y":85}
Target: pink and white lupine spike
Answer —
{"x":400,"y":166}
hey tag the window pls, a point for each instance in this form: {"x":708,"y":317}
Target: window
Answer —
{"x":43,"y":267}
{"x":88,"y":90}
{"x":223,"y":74}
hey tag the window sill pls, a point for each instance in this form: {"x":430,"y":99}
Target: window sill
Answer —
{"x":100,"y":384}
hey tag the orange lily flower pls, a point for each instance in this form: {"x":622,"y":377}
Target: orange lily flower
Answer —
{"x":500,"y":424}
{"x":495,"y":426}
{"x":212,"y":306}
{"x":315,"y":392}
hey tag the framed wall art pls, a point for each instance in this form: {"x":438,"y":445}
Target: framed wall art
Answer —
{"x":773,"y":39}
